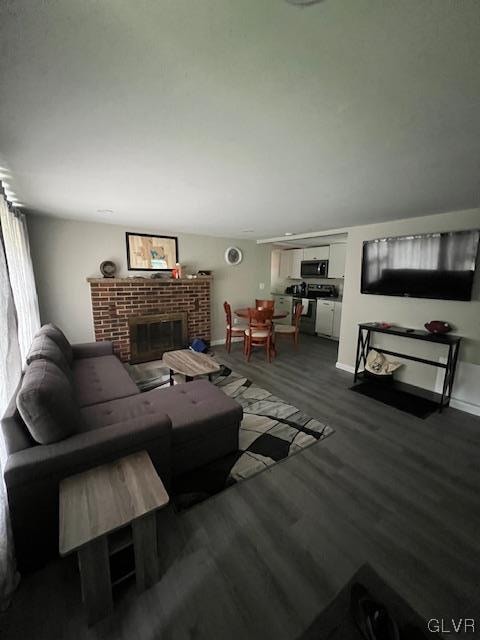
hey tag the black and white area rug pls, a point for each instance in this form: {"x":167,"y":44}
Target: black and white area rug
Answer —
{"x":271,"y":431}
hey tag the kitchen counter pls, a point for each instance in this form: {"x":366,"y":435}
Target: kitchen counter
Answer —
{"x":290,"y":295}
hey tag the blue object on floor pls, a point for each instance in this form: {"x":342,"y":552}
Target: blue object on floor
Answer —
{"x":199,"y":345}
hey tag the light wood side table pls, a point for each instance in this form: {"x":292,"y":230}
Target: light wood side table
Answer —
{"x":104,"y":513}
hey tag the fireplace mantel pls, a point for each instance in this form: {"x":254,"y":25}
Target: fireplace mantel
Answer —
{"x":136,"y":279}
{"x":115,"y":300}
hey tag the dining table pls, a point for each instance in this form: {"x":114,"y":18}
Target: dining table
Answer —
{"x":277,"y":315}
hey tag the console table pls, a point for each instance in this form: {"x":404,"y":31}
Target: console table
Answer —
{"x":365,"y":331}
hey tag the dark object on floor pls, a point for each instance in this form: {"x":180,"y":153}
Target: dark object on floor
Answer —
{"x":437,"y":326}
{"x":199,"y":345}
{"x":366,"y":589}
{"x":371,"y":617}
{"x":394,"y":396}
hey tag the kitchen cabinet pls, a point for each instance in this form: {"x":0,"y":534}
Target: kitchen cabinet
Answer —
{"x":297,"y":257}
{"x":285,"y":266}
{"x":336,"y":263}
{"x":324,"y":319}
{"x":316,"y":253}
{"x":290,"y":264}
{"x":337,"y":317}
{"x":284,"y":304}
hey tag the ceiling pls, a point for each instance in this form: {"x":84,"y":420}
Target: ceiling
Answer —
{"x":242,"y":118}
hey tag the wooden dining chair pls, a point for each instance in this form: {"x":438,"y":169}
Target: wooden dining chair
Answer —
{"x":291,"y":330}
{"x":232,"y":329}
{"x":264,"y":304}
{"x":259,"y":332}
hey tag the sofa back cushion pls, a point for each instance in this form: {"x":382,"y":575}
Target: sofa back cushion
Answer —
{"x":16,"y":436}
{"x":44,"y":348}
{"x":47,"y":403}
{"x":57,"y":335}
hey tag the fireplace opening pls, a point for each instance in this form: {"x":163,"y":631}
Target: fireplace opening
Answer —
{"x":151,"y":336}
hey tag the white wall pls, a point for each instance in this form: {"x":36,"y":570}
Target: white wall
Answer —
{"x":408,"y":312}
{"x":66,"y":252}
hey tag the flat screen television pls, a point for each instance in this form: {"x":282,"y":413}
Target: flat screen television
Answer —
{"x":432,"y":265}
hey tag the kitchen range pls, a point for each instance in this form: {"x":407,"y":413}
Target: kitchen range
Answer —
{"x":314,"y":314}
{"x":321,"y":308}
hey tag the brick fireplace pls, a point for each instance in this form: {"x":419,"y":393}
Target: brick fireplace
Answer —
{"x":116,"y":301}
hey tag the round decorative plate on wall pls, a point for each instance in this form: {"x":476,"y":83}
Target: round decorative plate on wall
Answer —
{"x":233,"y":255}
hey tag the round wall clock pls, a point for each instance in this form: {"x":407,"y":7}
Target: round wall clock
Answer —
{"x":233,"y":255}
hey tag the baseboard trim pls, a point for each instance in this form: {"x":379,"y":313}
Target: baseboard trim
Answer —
{"x":345,"y":367}
{"x":468,"y":407}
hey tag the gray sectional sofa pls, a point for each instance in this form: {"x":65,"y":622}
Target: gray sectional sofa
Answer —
{"x":76,"y":407}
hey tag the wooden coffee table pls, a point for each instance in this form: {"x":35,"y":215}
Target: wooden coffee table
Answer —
{"x":104,"y":512}
{"x":190,"y":364}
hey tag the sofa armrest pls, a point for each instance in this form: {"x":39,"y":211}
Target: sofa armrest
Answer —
{"x":91,"y":448}
{"x":92,"y":349}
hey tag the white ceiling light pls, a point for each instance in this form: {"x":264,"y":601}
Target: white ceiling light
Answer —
{"x":289,"y":233}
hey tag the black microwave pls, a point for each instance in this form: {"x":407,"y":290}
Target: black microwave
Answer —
{"x":314,"y":269}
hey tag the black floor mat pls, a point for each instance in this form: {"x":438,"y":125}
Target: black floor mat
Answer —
{"x":394,"y":397}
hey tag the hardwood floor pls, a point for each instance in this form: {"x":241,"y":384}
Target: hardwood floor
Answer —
{"x":264,"y":558}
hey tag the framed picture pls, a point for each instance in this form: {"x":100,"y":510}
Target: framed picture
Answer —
{"x":147,"y":252}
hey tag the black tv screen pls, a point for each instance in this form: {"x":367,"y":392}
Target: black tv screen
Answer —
{"x":433,"y":265}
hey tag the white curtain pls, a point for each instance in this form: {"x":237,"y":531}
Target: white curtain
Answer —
{"x":17,"y":250}
{"x":10,"y":371}
{"x":19,"y":320}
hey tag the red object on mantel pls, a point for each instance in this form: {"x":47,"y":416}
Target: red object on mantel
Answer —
{"x":175,"y":274}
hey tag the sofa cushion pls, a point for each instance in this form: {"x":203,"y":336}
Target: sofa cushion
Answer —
{"x":196,"y":409}
{"x":15,"y":433}
{"x":57,"y":335}
{"x":47,"y":404}
{"x":101,"y":379}
{"x":44,"y":348}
